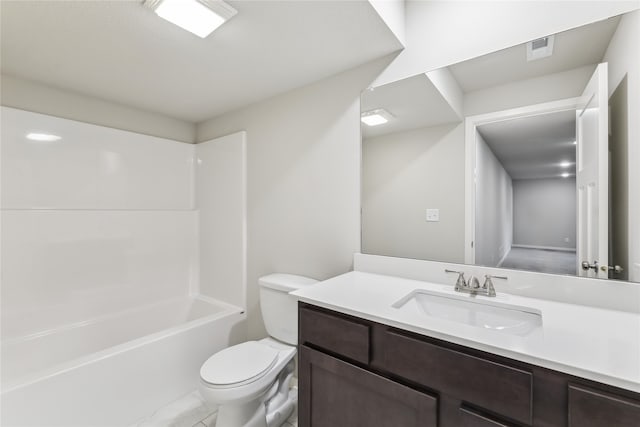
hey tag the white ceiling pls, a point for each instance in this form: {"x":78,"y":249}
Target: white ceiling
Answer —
{"x":533,"y":147}
{"x":122,"y":52}
{"x":575,"y":48}
{"x":414,"y":102}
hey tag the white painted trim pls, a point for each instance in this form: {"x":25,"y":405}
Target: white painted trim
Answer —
{"x":471,"y":123}
{"x":547,"y":248}
{"x":469,"y":190}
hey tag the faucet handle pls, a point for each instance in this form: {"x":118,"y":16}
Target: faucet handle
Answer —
{"x":473,"y":283}
{"x":488,"y":284}
{"x":460,"y":283}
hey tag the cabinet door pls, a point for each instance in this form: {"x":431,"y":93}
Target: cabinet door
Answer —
{"x":336,"y":393}
{"x":593,"y":408}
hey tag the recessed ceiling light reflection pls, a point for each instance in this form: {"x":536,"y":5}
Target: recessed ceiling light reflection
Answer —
{"x":43,"y":137}
{"x":565,"y":164}
{"x":376,"y":117}
{"x":200,"y":17}
{"x":565,"y":175}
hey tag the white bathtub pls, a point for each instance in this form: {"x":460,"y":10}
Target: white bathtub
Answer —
{"x":115,"y":369}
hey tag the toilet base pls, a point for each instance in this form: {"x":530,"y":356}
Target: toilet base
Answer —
{"x":271,"y":410}
{"x":283,"y":400}
{"x":251,"y":414}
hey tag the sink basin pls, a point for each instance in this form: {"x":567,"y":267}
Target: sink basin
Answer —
{"x":470,"y":310}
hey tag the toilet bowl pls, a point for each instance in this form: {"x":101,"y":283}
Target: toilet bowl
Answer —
{"x":250,"y":382}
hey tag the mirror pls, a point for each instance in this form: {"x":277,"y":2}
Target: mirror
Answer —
{"x":524,"y":158}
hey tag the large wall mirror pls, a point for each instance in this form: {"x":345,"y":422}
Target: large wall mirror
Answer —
{"x":519,"y":159}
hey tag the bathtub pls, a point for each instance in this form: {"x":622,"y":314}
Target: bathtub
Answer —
{"x":114,"y":369}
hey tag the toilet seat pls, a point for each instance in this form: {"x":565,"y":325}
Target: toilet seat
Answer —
{"x":238,"y":365}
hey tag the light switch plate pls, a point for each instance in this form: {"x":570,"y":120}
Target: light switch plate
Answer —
{"x":433,"y":215}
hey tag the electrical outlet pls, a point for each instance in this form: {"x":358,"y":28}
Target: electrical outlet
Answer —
{"x":433,"y":215}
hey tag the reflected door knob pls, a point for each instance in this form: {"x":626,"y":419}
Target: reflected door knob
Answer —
{"x":587,"y":266}
{"x":615,"y":268}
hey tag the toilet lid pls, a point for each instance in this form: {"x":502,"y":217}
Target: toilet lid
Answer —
{"x":239,"y":363}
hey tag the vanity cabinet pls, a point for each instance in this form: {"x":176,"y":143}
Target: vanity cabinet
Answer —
{"x":346,"y":395}
{"x":354,"y":373}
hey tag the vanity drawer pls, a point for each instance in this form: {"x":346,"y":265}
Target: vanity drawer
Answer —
{"x":496,"y":387}
{"x":334,"y":333}
{"x":593,"y":408}
{"x":336,"y":393}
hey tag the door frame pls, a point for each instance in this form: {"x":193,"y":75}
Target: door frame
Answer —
{"x":470,"y":125}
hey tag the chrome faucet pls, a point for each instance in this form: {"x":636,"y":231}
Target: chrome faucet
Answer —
{"x":488,"y":284}
{"x":460,"y":283}
{"x":472,"y":286}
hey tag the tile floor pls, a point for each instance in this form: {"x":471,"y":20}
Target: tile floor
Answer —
{"x":191,"y":411}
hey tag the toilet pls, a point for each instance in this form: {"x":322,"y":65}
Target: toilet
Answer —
{"x":249,"y":382}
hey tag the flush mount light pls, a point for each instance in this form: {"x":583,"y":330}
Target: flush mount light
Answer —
{"x":565,"y":164}
{"x":565,"y":175}
{"x":43,"y":137}
{"x":540,"y":48}
{"x":375,"y":117}
{"x":201,"y":17}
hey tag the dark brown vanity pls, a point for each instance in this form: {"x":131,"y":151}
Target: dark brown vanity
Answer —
{"x":358,"y":373}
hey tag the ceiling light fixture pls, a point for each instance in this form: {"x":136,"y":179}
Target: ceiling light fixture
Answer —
{"x":565,"y":164}
{"x":375,"y":117}
{"x":565,"y":175}
{"x":43,"y":137}
{"x":200,"y":17}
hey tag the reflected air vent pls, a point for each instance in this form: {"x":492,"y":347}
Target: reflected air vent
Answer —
{"x":540,"y":48}
{"x":540,"y":43}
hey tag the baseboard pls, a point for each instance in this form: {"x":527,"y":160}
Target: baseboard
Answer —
{"x":548,"y":248}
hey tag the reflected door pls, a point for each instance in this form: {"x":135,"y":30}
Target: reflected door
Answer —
{"x":591,"y":176}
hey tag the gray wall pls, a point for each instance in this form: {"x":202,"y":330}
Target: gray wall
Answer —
{"x":404,"y":174}
{"x":520,"y":93}
{"x":40,"y":98}
{"x":494,"y":207}
{"x":303,"y":180}
{"x":545,"y":212}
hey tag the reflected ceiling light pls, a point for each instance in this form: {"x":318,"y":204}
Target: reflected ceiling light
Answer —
{"x":565,"y":175}
{"x":575,"y":142}
{"x":43,"y":137}
{"x":375,"y":117}
{"x":200,"y":17}
{"x":565,"y":164}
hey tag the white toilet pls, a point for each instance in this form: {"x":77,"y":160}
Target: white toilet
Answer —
{"x":250,"y":381}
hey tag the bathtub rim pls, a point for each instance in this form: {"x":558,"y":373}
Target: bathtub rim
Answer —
{"x":61,"y":368}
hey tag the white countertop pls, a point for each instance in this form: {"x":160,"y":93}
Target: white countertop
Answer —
{"x":598,"y":344}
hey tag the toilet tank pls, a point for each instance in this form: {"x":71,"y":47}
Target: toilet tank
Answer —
{"x":279,"y":309}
